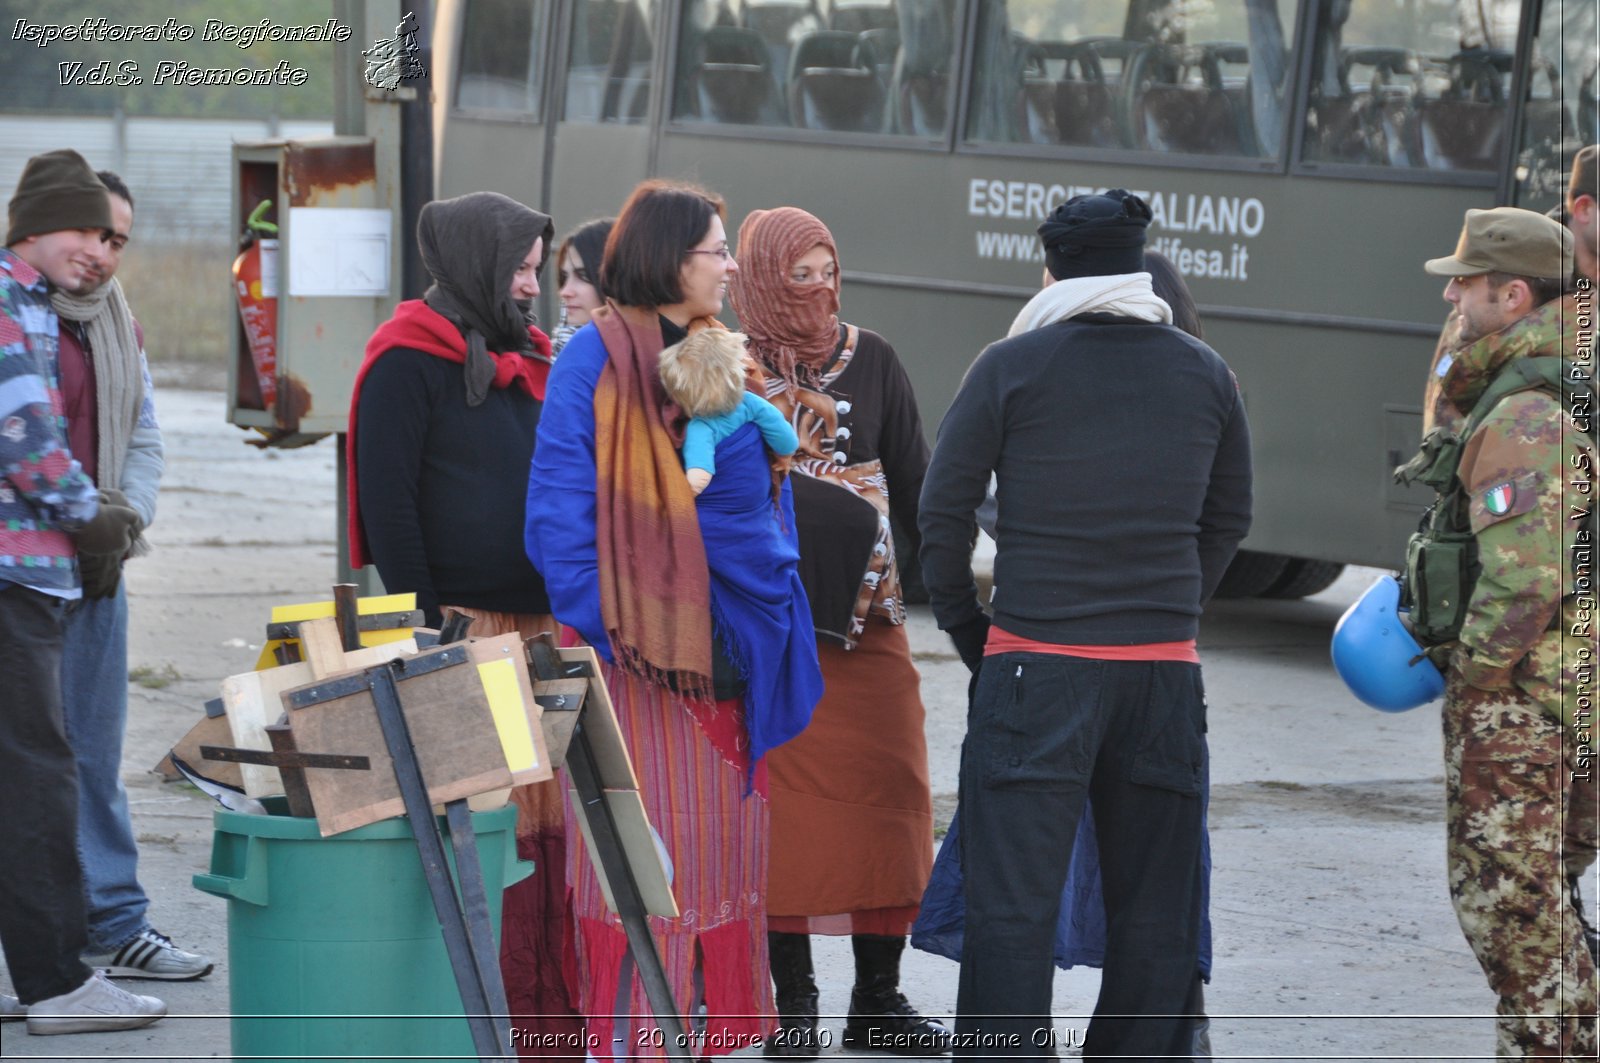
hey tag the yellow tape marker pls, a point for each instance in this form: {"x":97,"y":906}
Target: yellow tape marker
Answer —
{"x":510,"y":715}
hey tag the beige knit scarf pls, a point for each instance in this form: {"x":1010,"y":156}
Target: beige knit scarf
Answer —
{"x":118,"y":380}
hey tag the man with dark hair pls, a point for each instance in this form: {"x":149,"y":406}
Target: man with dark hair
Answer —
{"x":1512,"y":725}
{"x":58,"y":225}
{"x":111,"y":429}
{"x":1110,"y":537}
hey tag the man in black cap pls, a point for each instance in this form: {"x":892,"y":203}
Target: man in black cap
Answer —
{"x":1122,"y":460}
{"x":58,"y":226}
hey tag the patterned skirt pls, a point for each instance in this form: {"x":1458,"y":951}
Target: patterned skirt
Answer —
{"x":713,"y":823}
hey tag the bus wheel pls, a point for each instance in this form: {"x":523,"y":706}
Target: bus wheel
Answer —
{"x":1303,"y":577}
{"x":1250,"y":574}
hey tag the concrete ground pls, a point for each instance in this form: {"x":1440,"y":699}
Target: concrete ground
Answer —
{"x":1334,"y":934}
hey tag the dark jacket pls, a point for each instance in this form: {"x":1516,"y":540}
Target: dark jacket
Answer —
{"x":1123,"y":464}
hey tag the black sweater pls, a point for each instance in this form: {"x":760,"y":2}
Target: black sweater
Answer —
{"x":444,"y":486}
{"x":1123,"y":465}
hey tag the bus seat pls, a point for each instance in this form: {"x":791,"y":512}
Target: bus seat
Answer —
{"x":833,"y":84}
{"x":1085,"y":99}
{"x":734,"y":84}
{"x":1200,"y":112}
{"x":1464,"y":128}
{"x":1370,"y":122}
{"x":1460,"y":134}
{"x":860,"y":18}
{"x":885,"y":43}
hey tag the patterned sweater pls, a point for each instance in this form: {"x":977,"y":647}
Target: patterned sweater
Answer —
{"x":44,"y":493}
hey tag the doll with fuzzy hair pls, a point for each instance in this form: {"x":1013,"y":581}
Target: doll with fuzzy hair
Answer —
{"x":705,"y":375}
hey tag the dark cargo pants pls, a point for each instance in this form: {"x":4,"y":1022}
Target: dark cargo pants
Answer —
{"x":1044,"y":732}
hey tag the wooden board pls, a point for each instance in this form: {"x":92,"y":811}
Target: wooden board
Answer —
{"x":210,"y":731}
{"x":600,"y":724}
{"x":251,"y":702}
{"x":558,"y":723}
{"x":508,"y":648}
{"x":638,"y":845}
{"x":451,"y":727}
{"x":388,"y":603}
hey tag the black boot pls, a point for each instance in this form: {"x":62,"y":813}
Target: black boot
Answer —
{"x":789,"y":956}
{"x":880,"y":1015}
{"x":1591,"y":936}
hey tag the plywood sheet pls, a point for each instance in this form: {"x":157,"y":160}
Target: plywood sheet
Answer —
{"x":492,"y":654}
{"x":600,"y":724}
{"x":251,"y":702}
{"x":451,"y":727}
{"x":638,"y":847}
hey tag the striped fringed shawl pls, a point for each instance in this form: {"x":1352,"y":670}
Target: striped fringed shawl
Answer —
{"x":655,"y":594}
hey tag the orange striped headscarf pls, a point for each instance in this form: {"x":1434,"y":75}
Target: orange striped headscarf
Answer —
{"x":793,"y":328}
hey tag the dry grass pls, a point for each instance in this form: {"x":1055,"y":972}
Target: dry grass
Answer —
{"x":180,"y":293}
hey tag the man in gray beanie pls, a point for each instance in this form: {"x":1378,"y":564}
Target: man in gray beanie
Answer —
{"x":1110,"y":536}
{"x":59,"y":221}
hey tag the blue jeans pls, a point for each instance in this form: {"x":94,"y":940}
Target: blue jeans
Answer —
{"x":1044,"y":734}
{"x":94,"y":690}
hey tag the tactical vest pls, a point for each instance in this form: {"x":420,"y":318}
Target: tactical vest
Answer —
{"x":1442,"y":566}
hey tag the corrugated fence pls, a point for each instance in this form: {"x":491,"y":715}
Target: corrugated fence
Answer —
{"x":176,"y":168}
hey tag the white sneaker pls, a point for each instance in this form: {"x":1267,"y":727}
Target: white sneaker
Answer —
{"x":97,"y":1005}
{"x":12,"y":1009}
{"x":150,"y":954}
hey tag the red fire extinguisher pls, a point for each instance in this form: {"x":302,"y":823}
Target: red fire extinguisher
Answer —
{"x":255,"y":286}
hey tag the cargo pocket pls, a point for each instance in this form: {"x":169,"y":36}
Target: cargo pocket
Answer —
{"x":1040,"y":734}
{"x":1172,"y":748}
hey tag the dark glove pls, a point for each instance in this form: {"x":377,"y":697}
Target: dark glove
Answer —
{"x":101,"y":573}
{"x":114,"y":527}
{"x":969,"y":639}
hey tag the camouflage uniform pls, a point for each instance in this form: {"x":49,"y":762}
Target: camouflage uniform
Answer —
{"x":1509,"y":715}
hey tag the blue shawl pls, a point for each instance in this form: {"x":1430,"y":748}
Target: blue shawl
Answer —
{"x":758,"y":606}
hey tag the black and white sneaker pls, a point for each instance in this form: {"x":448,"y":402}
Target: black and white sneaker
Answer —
{"x":150,"y":954}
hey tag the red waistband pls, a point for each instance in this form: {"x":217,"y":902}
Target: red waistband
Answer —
{"x":1002,"y":641}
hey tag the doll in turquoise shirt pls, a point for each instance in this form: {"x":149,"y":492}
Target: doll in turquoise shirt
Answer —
{"x":705,"y":375}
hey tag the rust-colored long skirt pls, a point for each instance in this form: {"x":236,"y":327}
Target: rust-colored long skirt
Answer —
{"x":852,"y":817}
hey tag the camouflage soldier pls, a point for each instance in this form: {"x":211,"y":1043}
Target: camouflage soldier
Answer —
{"x":1511,"y":723}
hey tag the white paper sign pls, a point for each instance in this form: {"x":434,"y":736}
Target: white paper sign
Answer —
{"x":338,"y":251}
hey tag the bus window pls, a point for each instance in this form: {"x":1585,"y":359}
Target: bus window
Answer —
{"x":1560,"y":113}
{"x":608,"y":73}
{"x":1173,"y":76}
{"x":502,"y":42}
{"x":1419,"y":86}
{"x":853,"y":66}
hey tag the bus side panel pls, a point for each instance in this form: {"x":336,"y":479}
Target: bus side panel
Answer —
{"x":596,"y":167}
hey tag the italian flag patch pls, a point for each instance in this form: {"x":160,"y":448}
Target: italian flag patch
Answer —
{"x":1497,"y":500}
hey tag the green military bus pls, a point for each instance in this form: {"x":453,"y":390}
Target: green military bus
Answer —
{"x":1302,"y":157}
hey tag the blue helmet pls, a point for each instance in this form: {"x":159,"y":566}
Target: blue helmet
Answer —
{"x":1376,"y":656}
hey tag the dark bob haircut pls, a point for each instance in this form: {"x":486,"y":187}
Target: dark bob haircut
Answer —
{"x":659,"y":223}
{"x":1168,"y":285}
{"x":589,"y":241}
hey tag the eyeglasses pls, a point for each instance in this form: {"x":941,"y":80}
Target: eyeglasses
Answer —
{"x":721,"y":252}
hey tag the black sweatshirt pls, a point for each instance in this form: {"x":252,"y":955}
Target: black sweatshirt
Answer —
{"x":1123,"y":464}
{"x":444,"y":486}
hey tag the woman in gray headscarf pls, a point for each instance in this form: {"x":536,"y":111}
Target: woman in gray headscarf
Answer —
{"x":448,"y":401}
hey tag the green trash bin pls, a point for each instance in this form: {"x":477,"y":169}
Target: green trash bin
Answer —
{"x":334,"y":949}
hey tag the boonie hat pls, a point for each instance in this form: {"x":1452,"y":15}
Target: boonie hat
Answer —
{"x":1508,"y":240}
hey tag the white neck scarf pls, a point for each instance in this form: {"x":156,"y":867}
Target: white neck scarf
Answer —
{"x":1123,"y":294}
